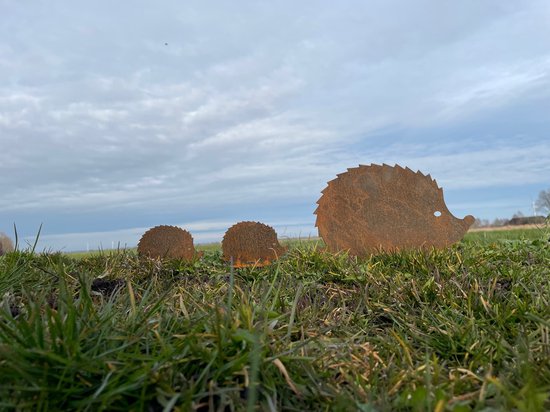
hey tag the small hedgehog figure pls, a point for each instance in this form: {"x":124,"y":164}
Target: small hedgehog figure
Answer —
{"x":375,"y":208}
{"x":6,"y":245}
{"x":251,"y":244}
{"x":167,"y":242}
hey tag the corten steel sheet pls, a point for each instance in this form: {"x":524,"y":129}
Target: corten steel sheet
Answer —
{"x":167,"y":242}
{"x":251,"y":244}
{"x":370,"y":209}
{"x":6,"y":245}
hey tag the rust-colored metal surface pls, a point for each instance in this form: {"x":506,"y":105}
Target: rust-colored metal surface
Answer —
{"x":6,"y":245}
{"x":371,"y":209}
{"x":251,"y":244}
{"x":167,"y":242}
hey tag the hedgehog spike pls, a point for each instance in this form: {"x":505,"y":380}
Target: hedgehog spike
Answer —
{"x":401,"y":170}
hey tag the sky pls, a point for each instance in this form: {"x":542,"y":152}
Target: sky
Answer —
{"x":119,"y":116}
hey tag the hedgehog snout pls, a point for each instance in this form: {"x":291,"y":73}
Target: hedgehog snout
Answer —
{"x":469,"y":220}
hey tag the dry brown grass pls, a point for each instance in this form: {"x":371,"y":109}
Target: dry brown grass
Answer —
{"x":506,"y":227}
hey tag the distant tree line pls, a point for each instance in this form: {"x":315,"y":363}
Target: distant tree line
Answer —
{"x":514,"y":221}
{"x":542,"y":204}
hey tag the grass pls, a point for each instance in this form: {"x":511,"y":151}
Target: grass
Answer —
{"x":488,"y":236}
{"x":461,"y":329}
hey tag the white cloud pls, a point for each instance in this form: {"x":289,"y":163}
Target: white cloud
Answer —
{"x":260,"y":102}
{"x":487,"y":88}
{"x":490,"y":167}
{"x":202,"y":231}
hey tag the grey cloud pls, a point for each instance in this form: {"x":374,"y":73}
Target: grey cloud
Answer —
{"x":255,"y":102}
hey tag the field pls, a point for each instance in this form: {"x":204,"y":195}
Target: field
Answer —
{"x":462,"y":329}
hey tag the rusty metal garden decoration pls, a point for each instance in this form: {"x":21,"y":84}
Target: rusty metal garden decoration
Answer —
{"x":251,"y":244}
{"x":167,"y":242}
{"x":371,"y":209}
{"x":6,"y":245}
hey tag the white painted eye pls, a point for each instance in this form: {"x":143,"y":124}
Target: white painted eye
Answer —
{"x":437,"y":213}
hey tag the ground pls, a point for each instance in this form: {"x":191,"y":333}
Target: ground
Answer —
{"x":465,"y":328}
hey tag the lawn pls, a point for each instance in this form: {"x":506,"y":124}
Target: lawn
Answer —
{"x":455,"y":330}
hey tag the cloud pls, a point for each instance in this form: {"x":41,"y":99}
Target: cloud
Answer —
{"x":254,"y":106}
{"x":202,"y":231}
{"x":493,"y":87}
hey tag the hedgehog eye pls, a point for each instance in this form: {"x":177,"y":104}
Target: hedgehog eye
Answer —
{"x":437,"y":213}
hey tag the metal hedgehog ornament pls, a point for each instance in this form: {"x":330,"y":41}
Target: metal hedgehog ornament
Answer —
{"x":251,"y":244}
{"x":167,"y":242}
{"x":371,"y":209}
{"x":6,"y":245}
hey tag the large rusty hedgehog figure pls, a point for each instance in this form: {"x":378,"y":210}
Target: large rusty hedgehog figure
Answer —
{"x":168,"y":242}
{"x":383,"y":208}
{"x":251,"y":244}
